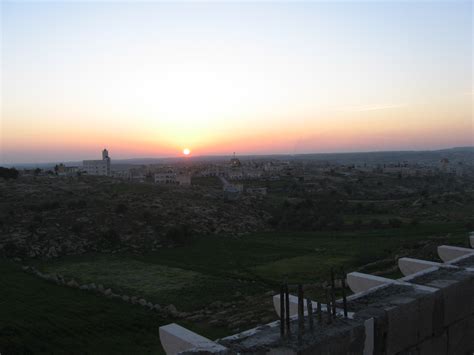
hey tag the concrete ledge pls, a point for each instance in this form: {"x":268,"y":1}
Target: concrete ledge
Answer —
{"x":359,"y":282}
{"x":448,"y":253}
{"x":176,"y":339}
{"x":409,"y":266}
{"x":410,"y":278}
{"x":461,"y":261}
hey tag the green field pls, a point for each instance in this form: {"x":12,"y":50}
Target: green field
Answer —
{"x":39,"y":317}
{"x":36,"y":315}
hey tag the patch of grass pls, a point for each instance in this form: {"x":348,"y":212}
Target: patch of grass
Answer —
{"x":186,"y":289}
{"x":40,"y":317}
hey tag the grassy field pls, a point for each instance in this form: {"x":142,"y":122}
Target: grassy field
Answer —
{"x":42,"y":317}
{"x":217,"y":268}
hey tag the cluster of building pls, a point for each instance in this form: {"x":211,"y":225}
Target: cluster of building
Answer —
{"x":234,"y":171}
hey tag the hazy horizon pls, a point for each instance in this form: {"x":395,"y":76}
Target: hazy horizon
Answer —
{"x":227,"y":155}
{"x":152,"y":78}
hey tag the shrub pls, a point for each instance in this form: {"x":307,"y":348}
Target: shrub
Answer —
{"x":179,"y":234}
{"x":111,"y":236}
{"x":121,"y":208}
{"x":7,"y":173}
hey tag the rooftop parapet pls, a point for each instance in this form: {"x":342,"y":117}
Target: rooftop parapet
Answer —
{"x":428,"y":311}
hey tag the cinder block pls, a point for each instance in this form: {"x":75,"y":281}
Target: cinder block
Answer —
{"x":350,"y":341}
{"x":402,"y":326}
{"x":430,"y":317}
{"x":434,"y":346}
{"x":458,"y":299}
{"x":461,"y":337}
{"x":410,"y":321}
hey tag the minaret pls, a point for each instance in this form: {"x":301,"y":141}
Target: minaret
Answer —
{"x":105,"y":156}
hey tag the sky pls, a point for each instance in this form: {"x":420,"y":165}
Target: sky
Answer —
{"x":148,"y":78}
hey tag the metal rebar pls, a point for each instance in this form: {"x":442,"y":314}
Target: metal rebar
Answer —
{"x":309,"y":306}
{"x":300,"y":310}
{"x":282,"y":310}
{"x":344,"y":298}
{"x":320,"y":313}
{"x":287,"y":307}
{"x":333,"y":293}
{"x":328,"y":307}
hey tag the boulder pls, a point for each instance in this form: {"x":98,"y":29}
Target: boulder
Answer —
{"x":142,"y":302}
{"x":171,"y":309}
{"x":125,"y":298}
{"x":72,"y":283}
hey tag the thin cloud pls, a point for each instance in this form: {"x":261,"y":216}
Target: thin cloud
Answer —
{"x":372,"y":107}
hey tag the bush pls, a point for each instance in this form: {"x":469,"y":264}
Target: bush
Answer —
{"x":179,"y":234}
{"x":6,"y":173}
{"x":121,"y":208}
{"x":111,"y":236}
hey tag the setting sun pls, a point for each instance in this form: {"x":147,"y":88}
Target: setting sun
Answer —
{"x":186,"y":151}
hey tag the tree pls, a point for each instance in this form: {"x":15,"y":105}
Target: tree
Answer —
{"x":7,"y":173}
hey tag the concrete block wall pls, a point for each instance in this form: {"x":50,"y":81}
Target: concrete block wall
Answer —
{"x":429,"y":311}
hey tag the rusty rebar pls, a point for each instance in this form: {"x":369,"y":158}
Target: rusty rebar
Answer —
{"x":333,"y":293}
{"x":287,"y":313}
{"x":344,"y":298}
{"x":282,"y":310}
{"x":320,"y":313}
{"x":300,"y":310}
{"x":309,"y":307}
{"x":328,"y":307}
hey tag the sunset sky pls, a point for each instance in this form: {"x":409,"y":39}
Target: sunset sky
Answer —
{"x":148,"y":79}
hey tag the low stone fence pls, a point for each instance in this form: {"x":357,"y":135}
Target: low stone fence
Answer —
{"x":101,"y":290}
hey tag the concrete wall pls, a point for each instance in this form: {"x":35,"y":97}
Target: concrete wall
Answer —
{"x":430,"y":312}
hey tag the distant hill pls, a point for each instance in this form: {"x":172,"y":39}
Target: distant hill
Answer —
{"x":455,"y":154}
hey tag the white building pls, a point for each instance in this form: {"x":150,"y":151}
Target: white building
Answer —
{"x":165,"y":178}
{"x":172,"y":178}
{"x":98,"y":167}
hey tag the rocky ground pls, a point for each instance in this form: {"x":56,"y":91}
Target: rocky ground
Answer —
{"x":47,"y":217}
